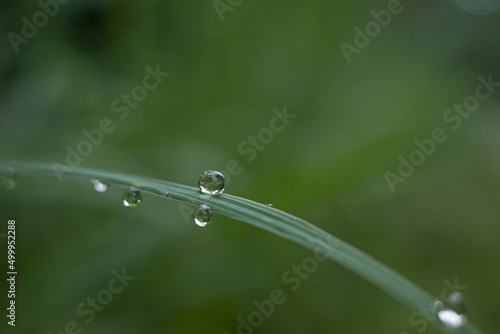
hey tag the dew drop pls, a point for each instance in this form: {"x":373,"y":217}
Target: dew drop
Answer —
{"x":165,"y":194}
{"x":456,"y":302}
{"x":451,"y":318}
{"x":100,"y":186}
{"x":270,"y":205}
{"x":8,"y":178}
{"x":202,"y":215}
{"x":132,"y":198}
{"x":212,"y":182}
{"x":451,"y":310}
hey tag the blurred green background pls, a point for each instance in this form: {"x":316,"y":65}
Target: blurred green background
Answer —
{"x":327,"y":166}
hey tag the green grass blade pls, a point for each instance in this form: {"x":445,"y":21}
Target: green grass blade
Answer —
{"x":277,"y":222}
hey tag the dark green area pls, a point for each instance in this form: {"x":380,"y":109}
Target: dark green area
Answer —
{"x":327,"y":166}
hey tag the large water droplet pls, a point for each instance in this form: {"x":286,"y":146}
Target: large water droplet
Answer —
{"x":8,"y":178}
{"x":212,"y":182}
{"x":202,"y":215}
{"x":270,"y":205}
{"x":132,"y":198}
{"x":451,"y":310}
{"x":100,"y":186}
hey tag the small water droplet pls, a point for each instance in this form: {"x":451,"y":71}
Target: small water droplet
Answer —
{"x":212,"y":182}
{"x":451,"y":310}
{"x":270,"y":205}
{"x":132,"y":198}
{"x":8,"y":178}
{"x":100,"y":186}
{"x":438,"y":305}
{"x":165,"y":194}
{"x":456,"y":302}
{"x":202,"y":215}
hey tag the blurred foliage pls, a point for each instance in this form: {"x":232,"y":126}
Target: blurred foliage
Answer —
{"x":353,"y":121}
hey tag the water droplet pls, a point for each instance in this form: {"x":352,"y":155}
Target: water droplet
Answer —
{"x":100,"y":186}
{"x":270,"y":205}
{"x":438,"y":305}
{"x":451,"y":310}
{"x":202,"y":215}
{"x":8,"y":178}
{"x":456,"y":302}
{"x":451,"y":318}
{"x":212,"y":182}
{"x":132,"y":198}
{"x":165,"y":194}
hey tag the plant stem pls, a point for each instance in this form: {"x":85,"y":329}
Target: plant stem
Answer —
{"x":277,"y":222}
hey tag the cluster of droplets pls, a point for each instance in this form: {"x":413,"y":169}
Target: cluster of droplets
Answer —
{"x":131,"y":198}
{"x":8,"y":178}
{"x":451,"y":310}
{"x":210,"y":182}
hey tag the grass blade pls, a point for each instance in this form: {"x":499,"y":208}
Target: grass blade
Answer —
{"x":277,"y":222}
